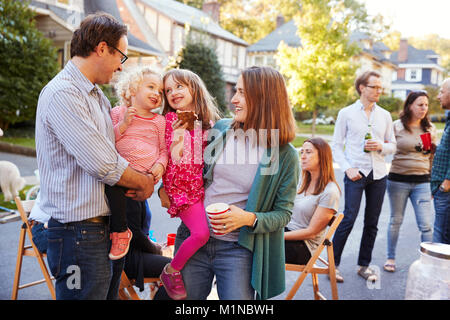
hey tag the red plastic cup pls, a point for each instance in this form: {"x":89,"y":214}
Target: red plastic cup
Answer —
{"x":426,"y":141}
{"x":215,"y":209}
{"x":171,"y":239}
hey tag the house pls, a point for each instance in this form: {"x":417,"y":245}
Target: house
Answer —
{"x":157,"y":30}
{"x":416,"y":69}
{"x":373,"y":55}
{"x":58,"y":19}
{"x":165,"y":23}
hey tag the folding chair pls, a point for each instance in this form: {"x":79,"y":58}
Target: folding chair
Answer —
{"x":24,"y":207}
{"x":126,"y":289}
{"x":313,"y":269}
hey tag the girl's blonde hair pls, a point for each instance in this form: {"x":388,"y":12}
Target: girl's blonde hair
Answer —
{"x":129,"y":82}
{"x":205,"y":105}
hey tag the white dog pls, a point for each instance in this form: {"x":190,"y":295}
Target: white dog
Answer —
{"x":10,"y":180}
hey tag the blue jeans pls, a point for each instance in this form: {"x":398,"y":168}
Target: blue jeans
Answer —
{"x":374,"y":190}
{"x":40,"y":237}
{"x":227,"y":260}
{"x":77,"y":255}
{"x":442,"y":220}
{"x":420,"y":196}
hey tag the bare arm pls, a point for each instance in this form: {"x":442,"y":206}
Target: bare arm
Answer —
{"x":318,"y":222}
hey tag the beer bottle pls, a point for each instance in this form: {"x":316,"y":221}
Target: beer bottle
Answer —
{"x":368,"y":136}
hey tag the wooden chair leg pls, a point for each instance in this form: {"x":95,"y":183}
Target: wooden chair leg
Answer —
{"x":128,"y":287}
{"x":20,"y":251}
{"x":332,"y":273}
{"x":315,"y":282}
{"x":296,"y":285}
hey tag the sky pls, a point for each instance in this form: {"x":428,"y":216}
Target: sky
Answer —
{"x":413,"y":18}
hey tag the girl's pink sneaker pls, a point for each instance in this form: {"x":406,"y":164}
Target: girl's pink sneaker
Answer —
{"x":120,"y":244}
{"x":173,"y":282}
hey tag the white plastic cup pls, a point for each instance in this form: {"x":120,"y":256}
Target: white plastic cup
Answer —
{"x":214,"y":209}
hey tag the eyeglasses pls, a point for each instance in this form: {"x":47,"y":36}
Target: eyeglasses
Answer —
{"x":376,"y":88}
{"x":124,"y":56}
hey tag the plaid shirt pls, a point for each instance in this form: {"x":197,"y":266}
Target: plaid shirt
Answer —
{"x":441,"y":162}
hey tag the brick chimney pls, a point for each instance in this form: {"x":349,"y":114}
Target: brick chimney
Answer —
{"x":212,"y":8}
{"x":280,"y":20}
{"x":403,"y":51}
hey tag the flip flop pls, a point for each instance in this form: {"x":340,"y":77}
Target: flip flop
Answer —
{"x":389,"y":267}
{"x":368,"y":274}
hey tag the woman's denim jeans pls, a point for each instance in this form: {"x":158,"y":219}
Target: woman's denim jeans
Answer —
{"x":228,"y":261}
{"x":77,"y":255}
{"x":420,"y":196}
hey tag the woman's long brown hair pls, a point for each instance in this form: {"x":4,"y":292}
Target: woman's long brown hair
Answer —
{"x":268,"y":104}
{"x":325,"y":165}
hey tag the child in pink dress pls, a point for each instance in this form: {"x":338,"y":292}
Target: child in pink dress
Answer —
{"x":183,"y":180}
{"x":140,"y":140}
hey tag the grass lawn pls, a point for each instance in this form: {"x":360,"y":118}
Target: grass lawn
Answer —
{"x":21,"y":141}
{"x":12,"y":204}
{"x":320,"y":128}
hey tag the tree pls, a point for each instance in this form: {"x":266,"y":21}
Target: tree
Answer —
{"x":27,"y":62}
{"x":202,"y":60}
{"x":252,"y":20}
{"x":320,"y":73}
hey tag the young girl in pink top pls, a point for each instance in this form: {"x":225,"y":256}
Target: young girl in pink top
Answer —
{"x":183,"y":180}
{"x":140,"y":140}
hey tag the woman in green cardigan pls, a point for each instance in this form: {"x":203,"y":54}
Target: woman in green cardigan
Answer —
{"x":251,"y":166}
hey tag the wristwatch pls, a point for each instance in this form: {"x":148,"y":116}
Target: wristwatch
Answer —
{"x":254,"y":223}
{"x":442,"y":188}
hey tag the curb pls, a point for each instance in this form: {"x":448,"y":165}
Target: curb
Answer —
{"x":12,"y":148}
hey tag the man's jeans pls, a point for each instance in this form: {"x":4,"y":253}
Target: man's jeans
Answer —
{"x":374,"y":190}
{"x":40,"y":237}
{"x":77,"y":255}
{"x":420,"y":196}
{"x":227,"y":260}
{"x":441,"y":233}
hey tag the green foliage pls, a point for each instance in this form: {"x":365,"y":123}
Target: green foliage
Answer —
{"x":252,"y":20}
{"x":434,"y":106}
{"x":391,"y":104}
{"x":27,"y":62}
{"x":108,"y":90}
{"x":202,"y":60}
{"x":320,"y":72}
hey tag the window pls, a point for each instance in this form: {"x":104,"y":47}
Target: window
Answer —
{"x":414,"y":75}
{"x":259,"y":61}
{"x":234,"y":59}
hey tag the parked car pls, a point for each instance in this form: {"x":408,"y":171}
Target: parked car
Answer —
{"x":438,"y":118}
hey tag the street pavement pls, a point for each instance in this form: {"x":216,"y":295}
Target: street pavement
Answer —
{"x":391,"y":286}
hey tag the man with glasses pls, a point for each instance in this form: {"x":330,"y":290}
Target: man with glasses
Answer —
{"x":76,"y":157}
{"x":440,"y":174}
{"x":364,"y":165}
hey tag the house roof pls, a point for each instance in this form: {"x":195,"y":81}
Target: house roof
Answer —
{"x":110,"y":6}
{"x":416,"y":56}
{"x":287,"y":33}
{"x":184,"y":14}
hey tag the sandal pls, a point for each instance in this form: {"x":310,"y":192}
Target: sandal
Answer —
{"x":389,"y":267}
{"x":368,"y":274}
{"x":339,"y":277}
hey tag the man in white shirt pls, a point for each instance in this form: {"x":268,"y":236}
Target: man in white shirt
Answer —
{"x":364,"y":166}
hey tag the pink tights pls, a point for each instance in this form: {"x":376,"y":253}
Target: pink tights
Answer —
{"x":195,"y":219}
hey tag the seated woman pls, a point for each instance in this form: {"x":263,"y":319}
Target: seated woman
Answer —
{"x":316,"y":202}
